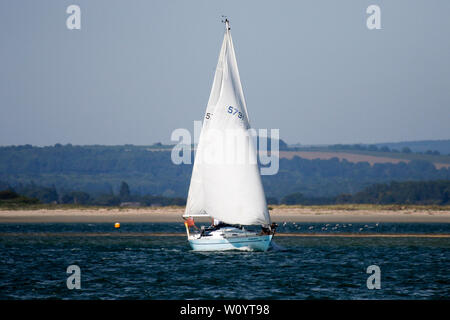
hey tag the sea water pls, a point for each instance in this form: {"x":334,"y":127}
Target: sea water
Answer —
{"x":131,"y":263}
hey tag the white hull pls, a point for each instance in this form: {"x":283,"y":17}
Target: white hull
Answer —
{"x":229,"y":238}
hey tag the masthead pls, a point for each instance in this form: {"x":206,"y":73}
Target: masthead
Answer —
{"x":227,"y":23}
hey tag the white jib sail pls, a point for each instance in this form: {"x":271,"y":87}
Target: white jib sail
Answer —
{"x":225,"y":182}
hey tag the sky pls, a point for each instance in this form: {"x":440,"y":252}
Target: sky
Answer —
{"x":137,"y":70}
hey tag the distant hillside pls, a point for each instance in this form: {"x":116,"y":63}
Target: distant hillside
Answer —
{"x":150,"y":171}
{"x":367,"y":153}
{"x":371,"y":157}
{"x":436,"y":147}
{"x":412,"y":192}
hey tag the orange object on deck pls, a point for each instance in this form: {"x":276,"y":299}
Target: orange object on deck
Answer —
{"x":190,"y":222}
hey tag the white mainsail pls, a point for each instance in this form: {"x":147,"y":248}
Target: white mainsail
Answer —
{"x":225,"y":182}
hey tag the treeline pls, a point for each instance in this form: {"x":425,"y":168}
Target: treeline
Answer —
{"x":10,"y":198}
{"x":34,"y":194}
{"x":411,"y":192}
{"x":99,"y":170}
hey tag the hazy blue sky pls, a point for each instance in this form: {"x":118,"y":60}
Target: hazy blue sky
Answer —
{"x":139,"y":69}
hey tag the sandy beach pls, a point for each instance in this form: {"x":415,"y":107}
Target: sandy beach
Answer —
{"x":278,"y":214}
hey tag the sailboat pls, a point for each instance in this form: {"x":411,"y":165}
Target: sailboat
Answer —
{"x":226,"y":183}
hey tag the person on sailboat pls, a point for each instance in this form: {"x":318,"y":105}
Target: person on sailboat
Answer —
{"x":217,"y":224}
{"x":269,"y":229}
{"x":190,"y":223}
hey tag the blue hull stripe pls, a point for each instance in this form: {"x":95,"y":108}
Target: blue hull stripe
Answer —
{"x":261,"y":244}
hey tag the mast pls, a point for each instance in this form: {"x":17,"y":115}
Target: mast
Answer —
{"x":227,"y":189}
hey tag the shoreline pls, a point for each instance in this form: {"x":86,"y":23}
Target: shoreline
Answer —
{"x":279,"y":214}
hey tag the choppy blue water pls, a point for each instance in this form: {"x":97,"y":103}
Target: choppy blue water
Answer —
{"x":129,"y":265}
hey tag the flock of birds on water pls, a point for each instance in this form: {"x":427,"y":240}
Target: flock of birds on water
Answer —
{"x":329,"y":227}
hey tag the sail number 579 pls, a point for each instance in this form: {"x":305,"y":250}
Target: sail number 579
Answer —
{"x":235,"y":112}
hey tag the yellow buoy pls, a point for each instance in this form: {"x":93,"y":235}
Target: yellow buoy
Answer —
{"x":117,"y":225}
